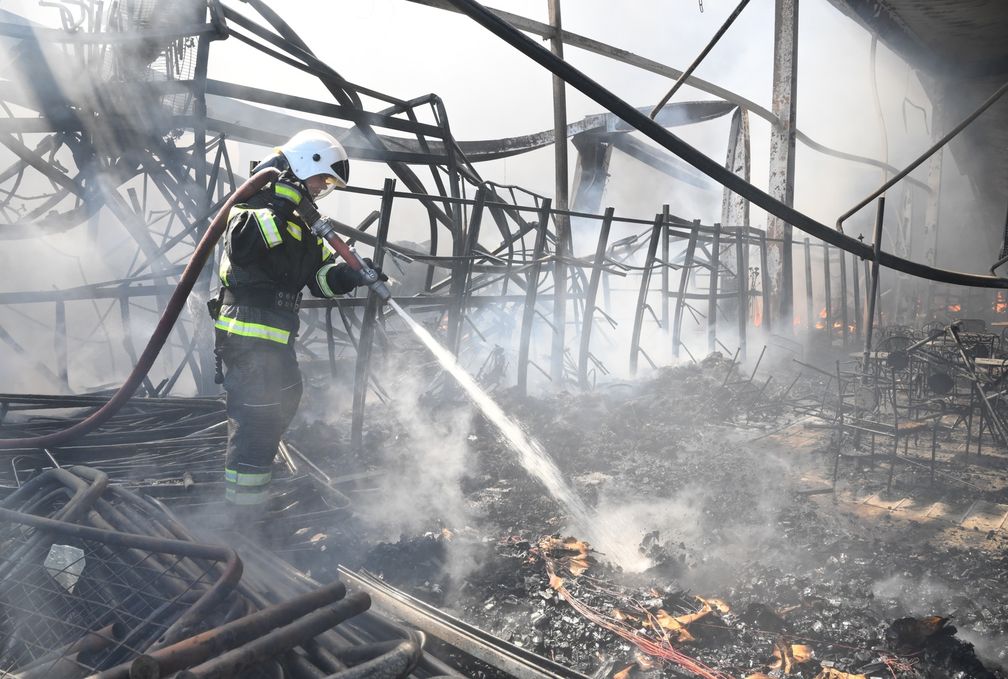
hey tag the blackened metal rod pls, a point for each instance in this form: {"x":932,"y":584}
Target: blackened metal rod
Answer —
{"x":238,"y":660}
{"x":741,"y":280}
{"x":700,"y":161}
{"x":531,"y":291}
{"x":700,"y":57}
{"x":590,"y":296}
{"x":828,"y":288}
{"x":685,"y":273}
{"x":214,"y":642}
{"x":712,"y":288}
{"x":368,"y":325}
{"x":873,"y":295}
{"x":659,"y":224}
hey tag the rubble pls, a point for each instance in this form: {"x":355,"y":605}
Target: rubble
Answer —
{"x":753,"y":577}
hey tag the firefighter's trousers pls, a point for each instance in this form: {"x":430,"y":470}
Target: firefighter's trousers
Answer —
{"x":263,"y":386}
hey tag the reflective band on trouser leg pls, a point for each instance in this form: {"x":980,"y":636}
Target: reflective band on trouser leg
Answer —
{"x":268,"y":226}
{"x":246,"y":479}
{"x":242,"y":488}
{"x":322,"y":278}
{"x":235,"y":327}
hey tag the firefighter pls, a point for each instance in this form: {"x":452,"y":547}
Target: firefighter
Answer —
{"x":269,"y":256}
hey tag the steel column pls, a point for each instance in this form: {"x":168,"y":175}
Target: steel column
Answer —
{"x":782,"y":152}
{"x":712,"y":289}
{"x":809,"y":303}
{"x":368,"y":323}
{"x":563,"y":235}
{"x":741,"y":245}
{"x":531,"y":290}
{"x":873,"y":295}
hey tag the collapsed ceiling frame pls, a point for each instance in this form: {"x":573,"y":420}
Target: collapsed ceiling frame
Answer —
{"x":108,"y":134}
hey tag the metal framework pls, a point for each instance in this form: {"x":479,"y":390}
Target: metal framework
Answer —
{"x":146,"y":140}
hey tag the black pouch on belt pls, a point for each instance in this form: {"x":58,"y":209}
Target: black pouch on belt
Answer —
{"x":214,"y":305}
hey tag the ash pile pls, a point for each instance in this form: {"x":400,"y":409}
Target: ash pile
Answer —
{"x":746,"y":562}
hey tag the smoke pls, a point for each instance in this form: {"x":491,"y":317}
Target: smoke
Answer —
{"x":426,"y":444}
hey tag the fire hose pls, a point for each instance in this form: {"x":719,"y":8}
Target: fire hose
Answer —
{"x":320,"y":226}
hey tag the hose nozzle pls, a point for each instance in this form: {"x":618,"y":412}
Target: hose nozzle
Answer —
{"x":324,"y":228}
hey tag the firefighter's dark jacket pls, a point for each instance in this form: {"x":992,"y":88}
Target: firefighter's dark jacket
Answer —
{"x":269,"y":256}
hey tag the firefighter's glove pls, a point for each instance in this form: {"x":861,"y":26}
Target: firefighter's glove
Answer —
{"x":361,"y":280}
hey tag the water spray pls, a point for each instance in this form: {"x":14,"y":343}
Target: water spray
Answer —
{"x":531,"y":455}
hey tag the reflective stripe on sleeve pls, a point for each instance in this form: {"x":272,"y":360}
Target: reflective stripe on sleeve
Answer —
{"x":322,"y":278}
{"x":287,"y":192}
{"x":225,"y":268}
{"x":294,"y":230}
{"x":257,"y":330}
{"x":268,"y":226}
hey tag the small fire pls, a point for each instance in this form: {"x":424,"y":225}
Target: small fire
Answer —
{"x":821,"y":323}
{"x":1000,"y":303}
{"x":757,"y":316}
{"x":954,"y":308}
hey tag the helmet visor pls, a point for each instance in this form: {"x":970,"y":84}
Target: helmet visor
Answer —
{"x":331,"y":183}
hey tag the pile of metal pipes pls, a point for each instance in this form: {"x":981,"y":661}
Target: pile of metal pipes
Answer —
{"x":100,"y":582}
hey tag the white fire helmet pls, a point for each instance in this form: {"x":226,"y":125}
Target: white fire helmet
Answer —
{"x":314,"y":152}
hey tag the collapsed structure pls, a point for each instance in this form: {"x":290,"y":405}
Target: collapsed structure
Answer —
{"x":890,"y":348}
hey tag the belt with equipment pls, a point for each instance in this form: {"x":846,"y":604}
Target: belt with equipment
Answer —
{"x":264,"y":299}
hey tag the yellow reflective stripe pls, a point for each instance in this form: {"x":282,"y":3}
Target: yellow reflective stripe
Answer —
{"x":287,"y":192}
{"x":247,"y":479}
{"x":294,"y":230}
{"x":322,"y":278}
{"x":270,"y":232}
{"x":326,"y":249}
{"x":225,"y":268}
{"x":267,"y":225}
{"x":257,"y":330}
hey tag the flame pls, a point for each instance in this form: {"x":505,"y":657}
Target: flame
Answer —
{"x":821,"y":323}
{"x":954,"y":308}
{"x":757,"y":315}
{"x":624,"y":673}
{"x":1000,"y":303}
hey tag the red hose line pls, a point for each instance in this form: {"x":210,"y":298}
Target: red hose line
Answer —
{"x":164,"y":326}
